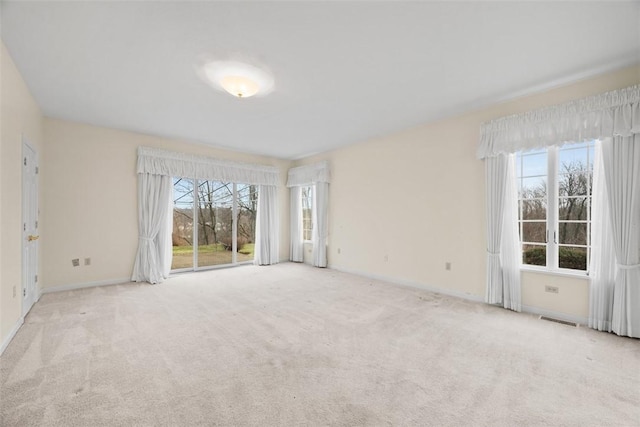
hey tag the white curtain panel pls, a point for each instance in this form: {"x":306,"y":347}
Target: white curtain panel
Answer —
{"x":296,"y":249}
{"x":602,"y":268}
{"x":267,"y":233}
{"x":503,"y":254}
{"x":496,"y":182}
{"x":320,"y":223}
{"x":621,"y":157}
{"x":165,"y":242}
{"x":510,"y":255}
{"x":153,"y":260}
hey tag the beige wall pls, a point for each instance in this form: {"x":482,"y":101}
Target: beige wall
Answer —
{"x":20,"y":117}
{"x":404,"y":205}
{"x":91,"y":192}
{"x":572,"y":298}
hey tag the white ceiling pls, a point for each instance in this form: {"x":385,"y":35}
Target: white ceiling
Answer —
{"x":344,"y":71}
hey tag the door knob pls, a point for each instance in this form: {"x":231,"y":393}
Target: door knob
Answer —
{"x":32,"y":238}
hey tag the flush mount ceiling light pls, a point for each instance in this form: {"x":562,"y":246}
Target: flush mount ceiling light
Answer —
{"x":237,"y":78}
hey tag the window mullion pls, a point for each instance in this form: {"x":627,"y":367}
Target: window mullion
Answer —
{"x":590,"y":172}
{"x":234,"y":225}
{"x":552,"y":208}
{"x":196,"y":222}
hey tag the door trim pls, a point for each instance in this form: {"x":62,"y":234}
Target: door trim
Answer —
{"x":29,"y":272}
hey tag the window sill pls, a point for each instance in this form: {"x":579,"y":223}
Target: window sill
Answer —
{"x":564,"y":273}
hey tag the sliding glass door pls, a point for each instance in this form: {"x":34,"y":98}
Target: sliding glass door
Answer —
{"x":183,"y":226}
{"x":213,"y":223}
{"x":247,"y":210}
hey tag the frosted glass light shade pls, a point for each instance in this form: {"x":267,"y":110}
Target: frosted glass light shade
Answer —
{"x":237,"y":78}
{"x":240,"y":86}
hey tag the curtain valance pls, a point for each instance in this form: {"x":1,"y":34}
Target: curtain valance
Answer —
{"x":611,"y":113}
{"x":161,"y":162}
{"x":309,"y":174}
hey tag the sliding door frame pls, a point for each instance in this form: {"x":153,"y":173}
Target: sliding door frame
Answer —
{"x":195,"y":231}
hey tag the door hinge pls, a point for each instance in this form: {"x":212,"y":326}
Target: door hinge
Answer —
{"x":24,"y":292}
{"x":25,"y":161}
{"x":37,"y":170}
{"x":36,"y":278}
{"x":24,"y":227}
{"x":36,"y":224}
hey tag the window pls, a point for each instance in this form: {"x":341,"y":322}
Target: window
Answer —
{"x":247,"y":212}
{"x":213,"y":223}
{"x":554,"y":206}
{"x":307,"y":205}
{"x":182,"y":236}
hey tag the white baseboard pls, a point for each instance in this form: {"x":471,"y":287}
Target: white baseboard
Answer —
{"x":12,"y":333}
{"x":463,"y":295}
{"x":85,"y":285}
{"x":411,"y":284}
{"x":555,"y":315}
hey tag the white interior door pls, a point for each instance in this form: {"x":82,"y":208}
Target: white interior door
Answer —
{"x":29,"y":227}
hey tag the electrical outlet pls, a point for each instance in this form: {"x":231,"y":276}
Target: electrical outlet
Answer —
{"x":447,"y":266}
{"x":87,"y":261}
{"x":551,"y":289}
{"x":338,"y":250}
{"x":75,"y":262}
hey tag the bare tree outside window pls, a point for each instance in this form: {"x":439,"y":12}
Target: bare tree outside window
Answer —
{"x":211,"y":205}
{"x":307,"y":206}
{"x":575,"y":187}
{"x":247,"y":212}
{"x":182,"y":236}
{"x":533,"y":201}
{"x":571,"y":227}
{"x":215,"y":222}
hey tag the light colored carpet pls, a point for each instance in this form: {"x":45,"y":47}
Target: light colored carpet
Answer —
{"x":291,"y":345}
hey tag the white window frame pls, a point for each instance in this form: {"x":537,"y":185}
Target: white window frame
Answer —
{"x":553,"y":221}
{"x":196,"y":225}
